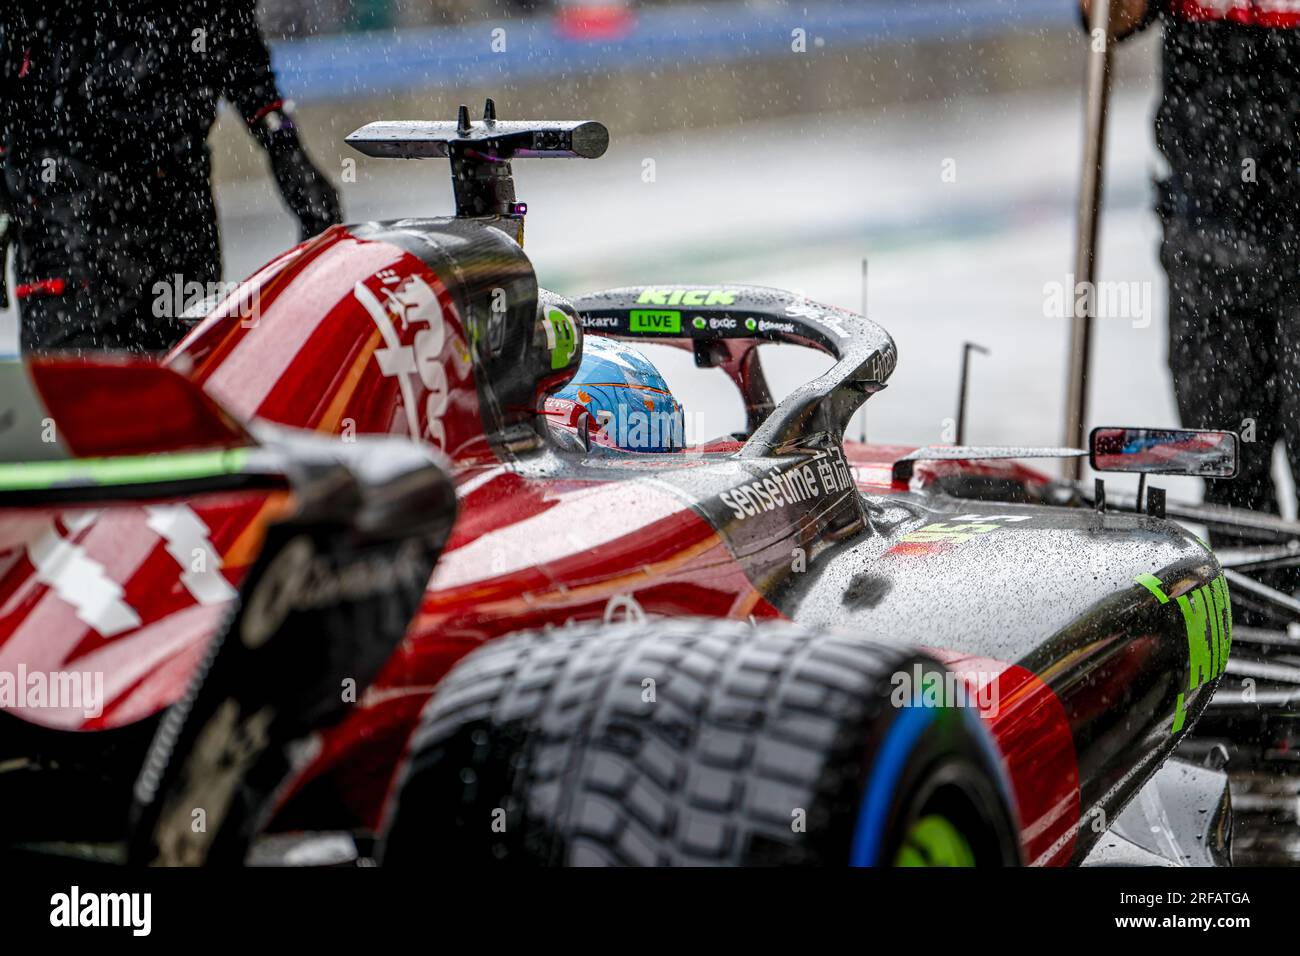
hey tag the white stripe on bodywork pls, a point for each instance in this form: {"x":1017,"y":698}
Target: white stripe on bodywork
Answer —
{"x":395,"y":360}
{"x":76,"y":521}
{"x":81,"y":581}
{"x":187,"y":540}
{"x":410,"y":301}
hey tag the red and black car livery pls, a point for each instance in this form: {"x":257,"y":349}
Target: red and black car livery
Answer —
{"x":775,"y":647}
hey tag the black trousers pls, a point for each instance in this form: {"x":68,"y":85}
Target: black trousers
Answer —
{"x":1233,"y":343}
{"x":100,"y":252}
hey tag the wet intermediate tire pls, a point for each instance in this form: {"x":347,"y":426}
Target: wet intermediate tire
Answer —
{"x":696,"y":742}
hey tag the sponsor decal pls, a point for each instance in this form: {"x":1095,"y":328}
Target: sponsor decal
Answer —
{"x":299,"y":579}
{"x":1207,"y":618}
{"x":832,"y":320}
{"x":825,"y":474}
{"x":882,"y":363}
{"x":961,"y":528}
{"x":600,"y":321}
{"x":653,"y":296}
{"x":408,"y":301}
{"x":561,"y":337}
{"x":650,"y":320}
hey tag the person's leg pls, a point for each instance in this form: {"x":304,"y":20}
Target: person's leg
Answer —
{"x":58,"y":308}
{"x":169,"y":240}
{"x":1221,"y":355}
{"x":1288,"y":378}
{"x":95,"y":248}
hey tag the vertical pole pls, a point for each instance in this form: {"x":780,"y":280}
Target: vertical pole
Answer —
{"x":862,"y":421}
{"x":966,"y":349}
{"x":1090,"y":196}
{"x":961,"y":394}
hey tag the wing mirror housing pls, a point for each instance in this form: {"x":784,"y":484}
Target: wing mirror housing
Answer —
{"x":1165,"y":451}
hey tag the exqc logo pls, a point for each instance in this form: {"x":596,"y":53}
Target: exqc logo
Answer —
{"x":714,"y":323}
{"x":75,"y":908}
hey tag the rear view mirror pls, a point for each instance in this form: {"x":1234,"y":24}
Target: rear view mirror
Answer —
{"x":1164,"y":451}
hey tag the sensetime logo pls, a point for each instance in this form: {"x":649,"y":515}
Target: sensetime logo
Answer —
{"x":75,"y":908}
{"x":926,"y":687}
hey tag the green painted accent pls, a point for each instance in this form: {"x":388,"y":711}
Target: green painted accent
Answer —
{"x":751,"y":324}
{"x":934,"y":841}
{"x":1200,"y":668}
{"x":566,"y":337}
{"x":1223,"y":613}
{"x":699,"y":322}
{"x":127,"y":470}
{"x":1207,"y":620}
{"x":1152,"y":584}
{"x":649,"y":320}
{"x":1216,"y":631}
{"x":688,"y":297}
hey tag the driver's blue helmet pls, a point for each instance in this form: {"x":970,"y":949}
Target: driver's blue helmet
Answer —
{"x":627,"y":398}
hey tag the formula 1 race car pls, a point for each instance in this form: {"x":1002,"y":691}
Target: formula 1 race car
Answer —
{"x":361,"y":571}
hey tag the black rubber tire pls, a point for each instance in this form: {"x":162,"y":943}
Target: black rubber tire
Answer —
{"x":543,"y":749}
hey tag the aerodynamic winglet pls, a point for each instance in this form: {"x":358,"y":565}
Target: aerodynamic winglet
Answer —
{"x":480,"y":152}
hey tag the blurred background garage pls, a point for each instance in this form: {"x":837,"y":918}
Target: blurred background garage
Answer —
{"x":772,"y":142}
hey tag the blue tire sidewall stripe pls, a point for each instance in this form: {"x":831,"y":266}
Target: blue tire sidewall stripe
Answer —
{"x":873,"y":813}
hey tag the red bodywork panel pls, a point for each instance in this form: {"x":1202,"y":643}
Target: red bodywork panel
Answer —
{"x":352,"y":336}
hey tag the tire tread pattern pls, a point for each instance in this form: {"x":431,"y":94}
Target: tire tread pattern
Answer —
{"x":748,"y":725}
